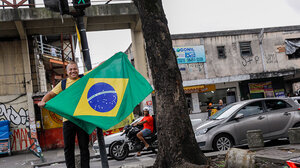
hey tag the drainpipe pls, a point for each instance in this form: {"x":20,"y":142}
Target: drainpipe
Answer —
{"x":260,"y":38}
{"x":42,"y":45}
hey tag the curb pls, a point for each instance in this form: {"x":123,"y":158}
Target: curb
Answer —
{"x":273,"y":160}
{"x":58,"y":162}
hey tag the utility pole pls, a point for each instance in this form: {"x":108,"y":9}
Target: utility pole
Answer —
{"x":88,"y":65}
{"x":80,"y":5}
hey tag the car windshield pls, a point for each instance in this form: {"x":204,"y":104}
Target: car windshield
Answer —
{"x":225,"y":112}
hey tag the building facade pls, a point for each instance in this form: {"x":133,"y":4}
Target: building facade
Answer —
{"x":238,"y":65}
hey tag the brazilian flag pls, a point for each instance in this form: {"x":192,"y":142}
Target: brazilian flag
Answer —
{"x":103,"y":97}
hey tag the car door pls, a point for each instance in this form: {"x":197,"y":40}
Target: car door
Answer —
{"x":279,"y":114}
{"x":254,"y":119}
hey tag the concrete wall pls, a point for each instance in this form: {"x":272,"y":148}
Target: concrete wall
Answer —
{"x":234,"y":64}
{"x":11,"y":68}
{"x":14,"y":98}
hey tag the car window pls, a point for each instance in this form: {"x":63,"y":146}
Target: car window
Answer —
{"x":252,"y":109}
{"x":225,"y":112}
{"x":276,"y":104}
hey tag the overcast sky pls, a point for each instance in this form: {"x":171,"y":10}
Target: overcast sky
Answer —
{"x":193,"y":16}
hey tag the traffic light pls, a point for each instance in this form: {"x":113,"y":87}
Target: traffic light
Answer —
{"x":81,"y":4}
{"x":57,"y":6}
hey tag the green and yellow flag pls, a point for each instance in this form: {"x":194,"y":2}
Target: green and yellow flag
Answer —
{"x":103,"y":97}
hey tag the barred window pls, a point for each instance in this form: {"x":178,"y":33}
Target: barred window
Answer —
{"x":245,"y":48}
{"x":221,"y":51}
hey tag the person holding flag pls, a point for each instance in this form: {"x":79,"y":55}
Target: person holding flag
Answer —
{"x":101,"y":98}
{"x":69,"y":128}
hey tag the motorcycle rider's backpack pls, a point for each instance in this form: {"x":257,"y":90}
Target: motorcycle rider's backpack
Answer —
{"x":64,"y":82}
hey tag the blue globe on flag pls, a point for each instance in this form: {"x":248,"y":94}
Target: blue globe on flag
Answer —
{"x":102,"y":97}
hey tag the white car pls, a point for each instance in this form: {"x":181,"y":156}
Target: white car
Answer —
{"x":296,"y":100}
{"x":117,"y":136}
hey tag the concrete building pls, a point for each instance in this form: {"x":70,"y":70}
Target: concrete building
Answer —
{"x":215,"y":65}
{"x":24,"y":79}
{"x":238,"y":65}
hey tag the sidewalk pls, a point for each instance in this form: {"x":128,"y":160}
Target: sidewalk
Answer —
{"x":276,"y":154}
{"x":28,"y":160}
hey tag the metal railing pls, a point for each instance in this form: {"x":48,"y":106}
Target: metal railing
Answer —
{"x":49,"y":49}
{"x":15,"y":4}
{"x":40,"y":3}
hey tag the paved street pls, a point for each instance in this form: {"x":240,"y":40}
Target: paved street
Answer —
{"x":146,"y":159}
{"x":55,"y":158}
{"x":278,"y":151}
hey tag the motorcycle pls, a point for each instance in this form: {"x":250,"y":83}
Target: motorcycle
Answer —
{"x":119,"y":150}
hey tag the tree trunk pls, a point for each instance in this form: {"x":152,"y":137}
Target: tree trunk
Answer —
{"x":177,"y":143}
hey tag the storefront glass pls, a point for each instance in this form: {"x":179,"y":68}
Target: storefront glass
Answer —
{"x":228,"y":95}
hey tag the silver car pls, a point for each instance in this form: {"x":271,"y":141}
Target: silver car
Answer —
{"x":228,"y":127}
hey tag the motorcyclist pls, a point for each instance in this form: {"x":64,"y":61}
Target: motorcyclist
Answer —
{"x":147,"y":123}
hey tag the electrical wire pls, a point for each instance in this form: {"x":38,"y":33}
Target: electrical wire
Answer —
{"x":16,"y":74}
{"x":13,"y":99}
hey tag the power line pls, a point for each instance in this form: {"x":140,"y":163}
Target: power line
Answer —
{"x":15,"y":74}
{"x":13,"y":99}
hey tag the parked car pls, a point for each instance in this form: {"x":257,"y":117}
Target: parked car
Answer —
{"x":110,"y":139}
{"x":229,"y":126}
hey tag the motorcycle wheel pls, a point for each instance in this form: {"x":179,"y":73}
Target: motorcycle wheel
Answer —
{"x":154,"y":151}
{"x":117,"y":153}
{"x":155,"y":146}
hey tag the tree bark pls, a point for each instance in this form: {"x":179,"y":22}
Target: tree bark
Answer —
{"x":177,"y":143}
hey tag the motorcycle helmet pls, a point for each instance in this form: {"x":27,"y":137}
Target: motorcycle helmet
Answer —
{"x":146,"y":109}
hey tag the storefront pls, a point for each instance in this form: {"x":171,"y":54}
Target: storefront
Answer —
{"x":198,"y":97}
{"x":263,"y":88}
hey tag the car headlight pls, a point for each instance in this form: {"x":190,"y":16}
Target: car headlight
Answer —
{"x":201,"y":131}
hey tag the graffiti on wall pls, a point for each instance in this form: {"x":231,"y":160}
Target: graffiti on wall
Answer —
{"x":16,"y":118}
{"x":271,"y":59}
{"x":20,"y":139}
{"x":194,"y":67}
{"x":19,"y":122}
{"x":246,"y":60}
{"x":197,"y":67}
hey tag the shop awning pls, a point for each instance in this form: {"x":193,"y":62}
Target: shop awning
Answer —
{"x":199,"y":88}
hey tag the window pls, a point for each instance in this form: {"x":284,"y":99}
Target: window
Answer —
{"x":292,"y":48}
{"x":252,"y":109}
{"x":245,"y":48}
{"x":221,"y":51}
{"x":276,"y":104}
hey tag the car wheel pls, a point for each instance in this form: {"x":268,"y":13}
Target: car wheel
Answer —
{"x":116,"y":152}
{"x":222,"y":142}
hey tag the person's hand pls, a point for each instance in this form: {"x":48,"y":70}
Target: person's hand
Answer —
{"x":41,"y":104}
{"x":135,"y":124}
